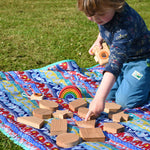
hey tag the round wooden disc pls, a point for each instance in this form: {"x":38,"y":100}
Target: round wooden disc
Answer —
{"x":51,"y":105}
{"x":67,"y":140}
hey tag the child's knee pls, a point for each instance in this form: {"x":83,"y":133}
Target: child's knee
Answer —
{"x":130,"y":101}
{"x":122,"y":100}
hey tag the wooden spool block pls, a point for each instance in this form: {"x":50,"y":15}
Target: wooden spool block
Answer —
{"x":82,"y":112}
{"x":31,"y":121}
{"x":62,"y":114}
{"x":58,"y":126}
{"x":101,"y":55}
{"x":113,"y":127}
{"x":42,"y":113}
{"x":112,"y":107}
{"x":67,"y":140}
{"x":36,"y":96}
{"x":75,"y":105}
{"x":46,"y":104}
{"x":92,"y":134}
{"x":86,"y":124}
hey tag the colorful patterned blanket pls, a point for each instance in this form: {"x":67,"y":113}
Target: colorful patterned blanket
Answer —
{"x":16,"y":86}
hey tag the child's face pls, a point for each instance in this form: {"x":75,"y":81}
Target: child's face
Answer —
{"x":103,"y":18}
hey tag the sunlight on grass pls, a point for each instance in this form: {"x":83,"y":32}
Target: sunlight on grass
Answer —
{"x":37,"y":33}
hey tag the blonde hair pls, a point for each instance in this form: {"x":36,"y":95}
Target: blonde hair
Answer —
{"x":90,"y":7}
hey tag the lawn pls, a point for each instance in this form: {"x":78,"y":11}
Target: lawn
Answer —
{"x":36,"y":33}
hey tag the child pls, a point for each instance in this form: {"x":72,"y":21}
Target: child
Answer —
{"x":126,"y":77}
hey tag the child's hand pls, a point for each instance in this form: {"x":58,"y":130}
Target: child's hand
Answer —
{"x":97,"y":43}
{"x":98,"y":103}
{"x":96,"y":107}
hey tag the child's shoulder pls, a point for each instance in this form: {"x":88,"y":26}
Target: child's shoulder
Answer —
{"x":130,"y":14}
{"x":127,"y":19}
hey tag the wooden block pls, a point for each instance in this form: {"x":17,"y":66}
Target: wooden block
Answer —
{"x":75,"y":105}
{"x":86,"y":124}
{"x":82,"y":112}
{"x":67,"y":140}
{"x":92,"y":134}
{"x":62,"y":114}
{"x":46,"y":104}
{"x":36,"y":96}
{"x":110,"y":114}
{"x":42,"y":113}
{"x":113,"y":127}
{"x":125,"y":117}
{"x":118,"y":116}
{"x":111,"y":107}
{"x":101,"y":55}
{"x":95,"y":48}
{"x":31,"y":121}
{"x":58,"y":126}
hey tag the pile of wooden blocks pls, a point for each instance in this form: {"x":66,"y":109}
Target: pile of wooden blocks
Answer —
{"x":44,"y":112}
{"x":49,"y":109}
{"x":96,"y":134}
{"x":92,"y":135}
{"x":114,"y":113}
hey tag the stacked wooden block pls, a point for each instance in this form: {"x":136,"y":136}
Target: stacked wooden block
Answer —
{"x":115,"y":113}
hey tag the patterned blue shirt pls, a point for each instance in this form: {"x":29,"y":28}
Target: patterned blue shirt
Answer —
{"x":127,"y":37}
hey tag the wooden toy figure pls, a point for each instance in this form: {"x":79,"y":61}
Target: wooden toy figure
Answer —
{"x":101,"y":55}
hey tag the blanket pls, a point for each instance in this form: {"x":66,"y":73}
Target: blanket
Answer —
{"x":17,"y":86}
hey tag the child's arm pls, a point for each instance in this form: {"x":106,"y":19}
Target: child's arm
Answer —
{"x":98,"y":43}
{"x":97,"y":104}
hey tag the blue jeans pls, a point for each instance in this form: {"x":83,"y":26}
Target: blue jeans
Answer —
{"x":132,"y":88}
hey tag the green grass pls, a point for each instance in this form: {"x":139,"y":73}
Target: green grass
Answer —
{"x":36,"y":33}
